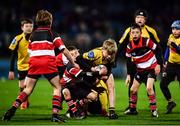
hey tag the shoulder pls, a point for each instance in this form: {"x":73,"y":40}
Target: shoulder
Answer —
{"x":55,"y":34}
{"x":92,"y":54}
{"x":170,"y":39}
{"x":126,"y":32}
{"x":171,"y":36}
{"x":127,"y":29}
{"x":146,"y":40}
{"x":16,"y":39}
{"x":19,"y":37}
{"x":150,"y":29}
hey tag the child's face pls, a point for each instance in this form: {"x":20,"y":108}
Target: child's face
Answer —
{"x":135,"y":33}
{"x":27,"y":28}
{"x":140,"y":20}
{"x":176,"y":32}
{"x":106,"y":55}
{"x":74,"y":53}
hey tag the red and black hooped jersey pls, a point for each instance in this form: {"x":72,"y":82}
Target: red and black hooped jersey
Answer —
{"x":70,"y":74}
{"x":41,"y":49}
{"x":142,"y":53}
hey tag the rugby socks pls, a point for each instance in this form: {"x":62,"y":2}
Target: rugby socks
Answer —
{"x":21,"y":98}
{"x":56,"y":103}
{"x":133,"y":101}
{"x":152,"y":102}
{"x":80,"y":102}
{"x":72,"y":105}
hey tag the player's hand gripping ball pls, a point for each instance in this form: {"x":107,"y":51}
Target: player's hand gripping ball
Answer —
{"x":102,"y":69}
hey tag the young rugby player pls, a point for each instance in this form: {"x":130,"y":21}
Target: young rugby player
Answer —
{"x":19,"y":49}
{"x":148,"y":32}
{"x":42,"y":62}
{"x":143,"y":52}
{"x":104,"y":55}
{"x":171,"y":64}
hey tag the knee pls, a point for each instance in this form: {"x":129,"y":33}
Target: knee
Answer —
{"x":28,"y":91}
{"x":66,"y":94}
{"x":163,"y":83}
{"x":92,"y":96}
{"x":133,"y":91}
{"x":149,"y":89}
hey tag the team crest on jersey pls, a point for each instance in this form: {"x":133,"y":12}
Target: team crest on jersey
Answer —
{"x":91,"y":55}
{"x":13,"y":41}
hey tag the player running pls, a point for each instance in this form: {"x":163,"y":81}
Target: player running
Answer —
{"x":42,"y":62}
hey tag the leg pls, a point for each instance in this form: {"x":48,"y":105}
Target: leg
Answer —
{"x":22,"y":78}
{"x":24,"y":105}
{"x":30,"y":84}
{"x":110,"y":84}
{"x":56,"y":101}
{"x":103,"y":97}
{"x":133,"y":98}
{"x":152,"y":96}
{"x":129,"y":88}
{"x":92,"y":96}
{"x":70,"y":102}
{"x":171,"y":72}
{"x":165,"y":81}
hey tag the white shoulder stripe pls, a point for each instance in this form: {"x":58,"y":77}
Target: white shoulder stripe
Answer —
{"x":56,"y":38}
{"x":154,"y":46}
{"x":147,"y":42}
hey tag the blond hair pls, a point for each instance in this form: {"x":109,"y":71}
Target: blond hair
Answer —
{"x":43,"y":18}
{"x":111,"y":47}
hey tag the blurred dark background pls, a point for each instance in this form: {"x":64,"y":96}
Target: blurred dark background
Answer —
{"x":86,"y":23}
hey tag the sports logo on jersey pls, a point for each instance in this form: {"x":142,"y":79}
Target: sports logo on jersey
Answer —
{"x":13,"y":41}
{"x":91,"y":55}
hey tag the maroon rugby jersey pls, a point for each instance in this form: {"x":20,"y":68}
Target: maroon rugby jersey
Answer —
{"x":70,"y":74}
{"x":142,"y":53}
{"x":41,"y":48}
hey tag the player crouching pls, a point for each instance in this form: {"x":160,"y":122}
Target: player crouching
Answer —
{"x":78,"y":87}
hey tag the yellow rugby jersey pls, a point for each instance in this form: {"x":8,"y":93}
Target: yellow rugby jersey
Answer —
{"x":147,"y":32}
{"x":174,"y":57}
{"x":21,"y":44}
{"x":95,"y":56}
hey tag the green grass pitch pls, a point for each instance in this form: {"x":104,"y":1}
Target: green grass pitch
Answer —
{"x":39,"y":112}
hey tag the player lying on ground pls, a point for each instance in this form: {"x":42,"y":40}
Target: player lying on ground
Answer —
{"x":78,"y":85}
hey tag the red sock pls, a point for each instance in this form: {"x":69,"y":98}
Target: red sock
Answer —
{"x":21,"y":98}
{"x":72,"y":105}
{"x":152,"y":102}
{"x":56,"y":103}
{"x":133,"y":101}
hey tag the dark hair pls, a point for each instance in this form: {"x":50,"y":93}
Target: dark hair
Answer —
{"x":133,"y":26}
{"x":43,"y":18}
{"x":70,"y":48}
{"x":141,"y":12}
{"x":26,"y":21}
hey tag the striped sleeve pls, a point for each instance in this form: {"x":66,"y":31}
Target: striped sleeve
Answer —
{"x":128,"y":51}
{"x":151,"y":44}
